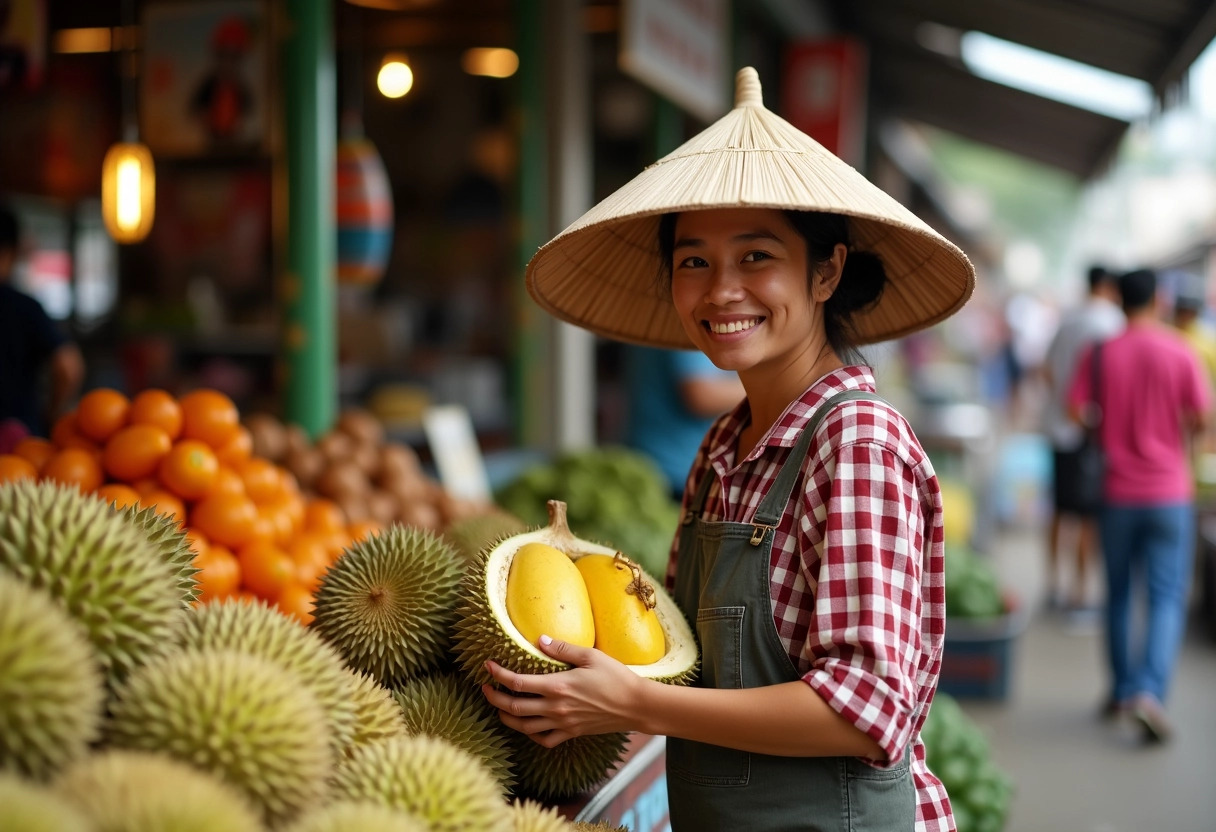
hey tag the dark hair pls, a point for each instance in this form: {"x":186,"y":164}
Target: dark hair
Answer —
{"x":1138,"y":288}
{"x":10,"y":229}
{"x":1099,"y":275}
{"x":861,"y":282}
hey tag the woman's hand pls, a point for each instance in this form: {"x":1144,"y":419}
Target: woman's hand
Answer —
{"x":599,"y":695}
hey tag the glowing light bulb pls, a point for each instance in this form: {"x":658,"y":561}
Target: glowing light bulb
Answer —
{"x":395,"y":78}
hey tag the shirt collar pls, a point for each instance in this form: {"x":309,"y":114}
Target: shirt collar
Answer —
{"x":788,"y":427}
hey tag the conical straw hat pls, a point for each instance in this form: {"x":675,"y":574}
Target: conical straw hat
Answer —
{"x":602,"y":272}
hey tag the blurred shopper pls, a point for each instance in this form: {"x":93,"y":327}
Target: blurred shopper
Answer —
{"x":1189,"y":305}
{"x":674,"y":396}
{"x":1097,"y":318}
{"x":1153,"y":396}
{"x":31,"y":349}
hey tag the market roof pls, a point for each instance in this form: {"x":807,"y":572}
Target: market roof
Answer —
{"x":1153,"y":41}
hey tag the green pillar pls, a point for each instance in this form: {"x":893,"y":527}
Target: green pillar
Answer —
{"x":307,"y":291}
{"x":530,"y":363}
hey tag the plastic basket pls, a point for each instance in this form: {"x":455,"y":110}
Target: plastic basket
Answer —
{"x":978,"y":658}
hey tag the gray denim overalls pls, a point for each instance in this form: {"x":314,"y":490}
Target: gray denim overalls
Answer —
{"x":722,"y":585}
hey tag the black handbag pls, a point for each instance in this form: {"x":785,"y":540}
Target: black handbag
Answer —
{"x":1090,"y":458}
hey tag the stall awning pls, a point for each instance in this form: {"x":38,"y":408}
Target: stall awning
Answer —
{"x":1153,"y":41}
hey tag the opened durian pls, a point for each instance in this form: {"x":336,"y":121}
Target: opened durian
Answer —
{"x":485,"y":630}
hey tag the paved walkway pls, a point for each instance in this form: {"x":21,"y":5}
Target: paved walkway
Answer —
{"x":1073,"y":772}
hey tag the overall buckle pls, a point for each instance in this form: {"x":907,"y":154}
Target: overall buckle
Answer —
{"x":758,"y":532}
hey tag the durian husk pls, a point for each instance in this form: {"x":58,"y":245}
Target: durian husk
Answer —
{"x":447,"y":788}
{"x":378,"y":716}
{"x":530,"y":816}
{"x":51,"y":687}
{"x":26,"y":806}
{"x":473,"y":535}
{"x":241,"y":717}
{"x":134,"y":791}
{"x":97,"y":564}
{"x":256,"y":628}
{"x":484,"y":630}
{"x":171,"y":544}
{"x":388,"y":602}
{"x":567,"y":770}
{"x":351,"y":816}
{"x":451,"y":707}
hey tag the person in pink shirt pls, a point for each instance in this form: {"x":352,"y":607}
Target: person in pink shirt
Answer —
{"x":1151,"y":397}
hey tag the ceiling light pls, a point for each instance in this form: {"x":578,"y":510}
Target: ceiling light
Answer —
{"x":395,"y":78}
{"x":81,"y":41}
{"x":493,"y":63}
{"x":1057,"y":78}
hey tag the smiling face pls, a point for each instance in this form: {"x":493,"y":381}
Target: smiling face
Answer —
{"x":740,"y":283}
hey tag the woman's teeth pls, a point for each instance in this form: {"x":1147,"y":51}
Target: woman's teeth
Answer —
{"x":733,"y":326}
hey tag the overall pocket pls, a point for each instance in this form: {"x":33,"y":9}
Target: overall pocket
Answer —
{"x":720,"y":630}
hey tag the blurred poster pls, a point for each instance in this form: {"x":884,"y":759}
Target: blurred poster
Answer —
{"x":823,"y":94}
{"x":680,"y":50}
{"x":204,"y":86}
{"x":22,"y":43}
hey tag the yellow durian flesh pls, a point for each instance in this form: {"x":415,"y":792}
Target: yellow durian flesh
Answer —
{"x":546,"y":595}
{"x":622,"y":603}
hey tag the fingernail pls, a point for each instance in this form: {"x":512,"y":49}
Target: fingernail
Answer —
{"x":545,"y":640}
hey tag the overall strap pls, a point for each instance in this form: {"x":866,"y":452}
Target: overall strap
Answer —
{"x":774,"y":502}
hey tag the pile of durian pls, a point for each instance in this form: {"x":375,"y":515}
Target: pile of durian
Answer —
{"x":127,"y":706}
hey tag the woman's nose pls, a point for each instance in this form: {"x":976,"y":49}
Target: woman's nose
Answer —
{"x":725,"y":286}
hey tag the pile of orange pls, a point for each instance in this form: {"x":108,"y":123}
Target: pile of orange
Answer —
{"x":252,"y":531}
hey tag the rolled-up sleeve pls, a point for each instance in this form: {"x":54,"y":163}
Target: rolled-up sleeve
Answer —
{"x":865,"y":633}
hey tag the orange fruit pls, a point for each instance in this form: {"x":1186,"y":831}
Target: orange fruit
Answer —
{"x":311,"y":554}
{"x":13,"y":468}
{"x":237,"y":449}
{"x":266,"y":570}
{"x":36,"y":449}
{"x":363,"y":530}
{"x":189,"y":469}
{"x":209,"y":416}
{"x":264,"y":528}
{"x":219,"y":574}
{"x":74,"y":466}
{"x":64,"y":429}
{"x":118,"y":494}
{"x":146,"y":485}
{"x":196,"y":540}
{"x":100,"y":413}
{"x":280,"y":518}
{"x":227,"y":481}
{"x":261,"y":478}
{"x":156,"y":407}
{"x":325,"y":516}
{"x":296,"y":601}
{"x":165,"y":503}
{"x":225,"y":519}
{"x":135,"y":452}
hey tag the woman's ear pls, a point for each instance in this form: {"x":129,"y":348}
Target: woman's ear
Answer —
{"x":827,"y":276}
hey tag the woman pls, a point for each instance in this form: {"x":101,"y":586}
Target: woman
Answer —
{"x":810,"y":556}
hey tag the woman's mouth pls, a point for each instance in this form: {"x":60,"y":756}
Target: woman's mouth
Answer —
{"x":732,"y":327}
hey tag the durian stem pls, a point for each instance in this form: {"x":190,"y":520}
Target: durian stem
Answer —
{"x":558,"y":525}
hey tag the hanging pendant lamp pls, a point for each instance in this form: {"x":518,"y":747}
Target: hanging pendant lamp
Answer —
{"x":128,"y":175}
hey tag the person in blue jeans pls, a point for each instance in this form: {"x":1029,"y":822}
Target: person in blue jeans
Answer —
{"x":674,"y":396}
{"x":1153,"y":398}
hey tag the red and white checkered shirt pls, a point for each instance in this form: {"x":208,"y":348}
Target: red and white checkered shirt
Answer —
{"x":857,"y":570}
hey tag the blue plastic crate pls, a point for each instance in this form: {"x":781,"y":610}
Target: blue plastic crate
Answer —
{"x":978,"y":658}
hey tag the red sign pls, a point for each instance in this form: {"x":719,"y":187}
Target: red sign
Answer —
{"x":823,"y":94}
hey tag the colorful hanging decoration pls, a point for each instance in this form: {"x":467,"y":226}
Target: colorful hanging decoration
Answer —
{"x":365,"y":213}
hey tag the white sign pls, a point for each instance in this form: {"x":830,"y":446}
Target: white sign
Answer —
{"x":679,"y":48}
{"x":458,"y":460}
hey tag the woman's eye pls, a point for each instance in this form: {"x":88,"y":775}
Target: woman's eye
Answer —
{"x":755,"y":256}
{"x":692,"y":263}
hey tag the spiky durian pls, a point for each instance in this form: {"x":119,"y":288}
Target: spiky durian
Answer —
{"x":96,"y":564}
{"x":349,"y":816}
{"x":473,"y":535}
{"x":450,"y":706}
{"x":378,"y":716}
{"x":484,"y":629}
{"x":566,"y":770}
{"x":169,"y":538}
{"x":445,"y":787}
{"x":32,"y":807}
{"x":51,"y":688}
{"x":239,"y":716}
{"x":530,"y":816}
{"x":133,"y":791}
{"x":256,"y":628}
{"x":387,"y":603}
